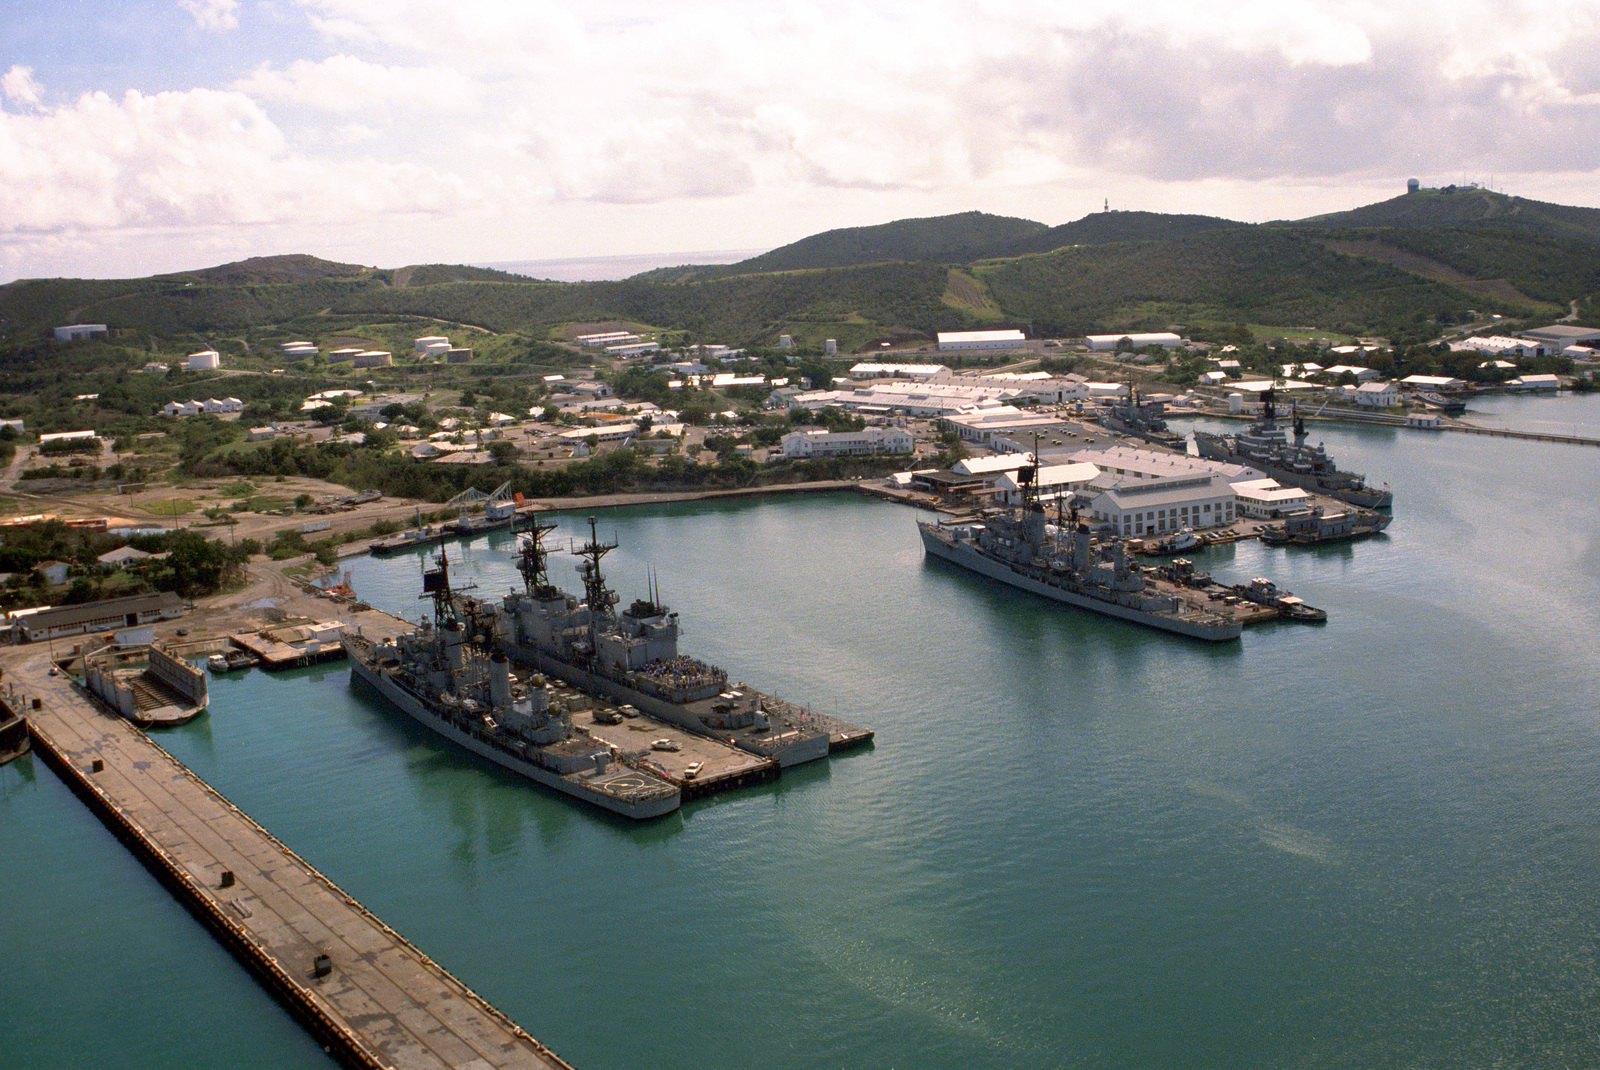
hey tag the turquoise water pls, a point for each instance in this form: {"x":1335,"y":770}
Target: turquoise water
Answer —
{"x":1075,"y":842}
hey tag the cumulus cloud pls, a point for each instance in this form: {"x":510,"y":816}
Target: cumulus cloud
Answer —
{"x":213,"y":14}
{"x":624,"y":100}
{"x":17,"y":85}
{"x":196,"y":158}
{"x":536,"y":111}
{"x":344,"y":83}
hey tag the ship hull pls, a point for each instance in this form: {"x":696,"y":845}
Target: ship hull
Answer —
{"x":403,"y":700}
{"x":1215,"y":448}
{"x":967,"y":558}
{"x":808,"y":749}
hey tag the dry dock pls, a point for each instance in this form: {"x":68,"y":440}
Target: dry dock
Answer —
{"x":368,"y":994}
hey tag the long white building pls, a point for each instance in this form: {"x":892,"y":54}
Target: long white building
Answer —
{"x":972,"y":340}
{"x":1165,"y":339}
{"x":817,"y":443}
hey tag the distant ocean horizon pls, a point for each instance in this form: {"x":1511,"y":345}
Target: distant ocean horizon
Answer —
{"x":612,"y":268}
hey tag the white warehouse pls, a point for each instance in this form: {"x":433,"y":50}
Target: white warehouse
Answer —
{"x":958,"y":340}
{"x":1165,"y":339}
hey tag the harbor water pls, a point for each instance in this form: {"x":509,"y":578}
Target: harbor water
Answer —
{"x":1075,"y":843}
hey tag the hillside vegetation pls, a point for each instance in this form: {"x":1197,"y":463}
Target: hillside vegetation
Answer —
{"x":1403,"y":266}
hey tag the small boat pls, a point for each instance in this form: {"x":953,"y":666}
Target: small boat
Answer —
{"x":232,"y":661}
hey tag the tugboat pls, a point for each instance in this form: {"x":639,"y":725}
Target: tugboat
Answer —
{"x":1266,"y":446}
{"x":1065,"y":562}
{"x":632,"y":657}
{"x":470,"y":697}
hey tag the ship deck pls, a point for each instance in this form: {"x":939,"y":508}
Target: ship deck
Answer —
{"x":722,"y":767}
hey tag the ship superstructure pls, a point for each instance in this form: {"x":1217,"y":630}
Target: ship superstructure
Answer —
{"x":1266,"y":445}
{"x":633,"y":657}
{"x":439,"y":676}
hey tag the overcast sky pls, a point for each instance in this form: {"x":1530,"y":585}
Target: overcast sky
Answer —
{"x":140,"y":136}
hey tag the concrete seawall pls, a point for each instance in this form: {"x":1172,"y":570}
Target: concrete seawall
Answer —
{"x":370,"y":996}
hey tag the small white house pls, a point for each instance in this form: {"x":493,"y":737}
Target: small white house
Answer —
{"x":1377,"y":395}
{"x":1535,"y":382}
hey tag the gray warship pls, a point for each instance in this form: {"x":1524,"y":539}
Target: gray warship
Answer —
{"x":1143,"y":419}
{"x":632,"y":657}
{"x":445,"y":681}
{"x":1266,"y":446}
{"x":1065,"y":562}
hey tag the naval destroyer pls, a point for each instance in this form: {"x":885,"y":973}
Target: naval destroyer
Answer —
{"x":1266,"y":446}
{"x":632,"y":657}
{"x":1065,"y":562}
{"x":443,"y":680}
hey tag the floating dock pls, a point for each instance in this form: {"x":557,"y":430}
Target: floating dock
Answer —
{"x":362,"y":988}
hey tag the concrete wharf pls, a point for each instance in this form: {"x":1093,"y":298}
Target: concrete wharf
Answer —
{"x":367,"y":993}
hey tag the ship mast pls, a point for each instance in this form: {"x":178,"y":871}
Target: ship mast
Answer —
{"x":533,"y":558}
{"x":436,"y":585}
{"x":600,"y":599}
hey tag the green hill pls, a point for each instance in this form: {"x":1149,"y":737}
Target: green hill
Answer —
{"x":1398,"y":268}
{"x":1103,"y":228}
{"x":1237,"y":274}
{"x":947,"y":239}
{"x":1460,"y":207}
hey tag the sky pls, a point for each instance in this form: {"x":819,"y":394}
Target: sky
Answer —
{"x":142,"y":136}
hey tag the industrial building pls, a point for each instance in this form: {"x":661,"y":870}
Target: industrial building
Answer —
{"x":606,"y":338}
{"x":976,"y":340}
{"x":1052,"y":481}
{"x":1500,"y":345}
{"x":107,"y":615}
{"x":67,"y":436}
{"x":1165,"y":339}
{"x":1132,"y":506}
{"x":632,"y":349}
{"x":1267,"y":499}
{"x":867,"y":370}
{"x":873,"y":440}
{"x":78,"y":331}
{"x":1558,"y":337}
{"x":1432,"y":382}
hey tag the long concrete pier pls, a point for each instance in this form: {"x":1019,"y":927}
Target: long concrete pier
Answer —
{"x":362,"y":988}
{"x":1536,"y":436}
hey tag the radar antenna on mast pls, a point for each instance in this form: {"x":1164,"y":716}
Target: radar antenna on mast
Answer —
{"x":533,"y":559}
{"x":595,"y":593}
